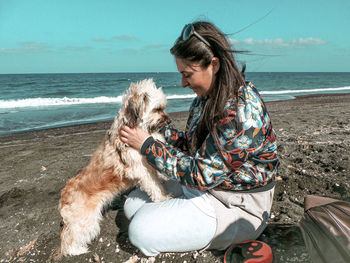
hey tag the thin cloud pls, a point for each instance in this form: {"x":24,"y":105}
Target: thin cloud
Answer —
{"x":98,"y":39}
{"x":124,"y":37}
{"x":9,"y":50}
{"x":76,"y":48}
{"x":155,"y":46}
{"x":279,"y":43}
{"x":27,"y":47}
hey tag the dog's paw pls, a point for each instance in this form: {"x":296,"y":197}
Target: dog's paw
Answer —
{"x":74,"y":250}
{"x":161,"y":198}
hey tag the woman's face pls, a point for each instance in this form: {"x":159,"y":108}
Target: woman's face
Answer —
{"x":199,"y":79}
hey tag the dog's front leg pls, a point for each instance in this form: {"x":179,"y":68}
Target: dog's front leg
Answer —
{"x":150,"y":183}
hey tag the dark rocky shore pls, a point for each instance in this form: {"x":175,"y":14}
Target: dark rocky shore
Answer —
{"x":313,"y":135}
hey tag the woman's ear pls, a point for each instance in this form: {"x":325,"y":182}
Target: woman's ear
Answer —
{"x":216,"y":64}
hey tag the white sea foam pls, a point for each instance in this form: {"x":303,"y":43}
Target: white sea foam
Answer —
{"x":46,"y":102}
{"x":38,"y":102}
{"x":184,"y":96}
{"x":266,"y":92}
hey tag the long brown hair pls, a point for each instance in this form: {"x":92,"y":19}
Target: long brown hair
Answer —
{"x":227,"y":82}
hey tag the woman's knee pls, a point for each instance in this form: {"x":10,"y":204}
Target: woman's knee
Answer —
{"x":142,"y":236}
{"x":134,"y":202}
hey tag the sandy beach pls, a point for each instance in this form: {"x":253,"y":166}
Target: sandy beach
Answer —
{"x":313,"y":134}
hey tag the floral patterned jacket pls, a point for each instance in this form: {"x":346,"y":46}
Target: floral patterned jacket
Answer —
{"x":248,"y":140}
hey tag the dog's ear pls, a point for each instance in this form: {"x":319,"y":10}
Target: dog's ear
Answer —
{"x":145,"y":101}
{"x":135,"y":109}
{"x":131,"y":114}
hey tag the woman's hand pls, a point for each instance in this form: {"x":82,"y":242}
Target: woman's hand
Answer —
{"x":134,"y":137}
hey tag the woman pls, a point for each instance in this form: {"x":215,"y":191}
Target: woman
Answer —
{"x":222,"y":167}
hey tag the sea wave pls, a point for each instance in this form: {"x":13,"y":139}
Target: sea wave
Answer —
{"x":17,"y":85}
{"x":39,"y":102}
{"x":183,"y":96}
{"x":65,"y":101}
{"x":267,"y":92}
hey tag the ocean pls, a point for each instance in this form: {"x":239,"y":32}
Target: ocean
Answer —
{"x":40,"y":101}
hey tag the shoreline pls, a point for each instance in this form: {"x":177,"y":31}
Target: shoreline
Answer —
{"x":175,"y":116}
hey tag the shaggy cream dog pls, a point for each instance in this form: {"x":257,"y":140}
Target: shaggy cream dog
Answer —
{"x":113,"y":168}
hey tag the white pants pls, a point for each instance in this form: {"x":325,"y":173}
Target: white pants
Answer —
{"x":175,"y":225}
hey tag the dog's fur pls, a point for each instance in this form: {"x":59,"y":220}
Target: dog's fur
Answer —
{"x":113,"y":168}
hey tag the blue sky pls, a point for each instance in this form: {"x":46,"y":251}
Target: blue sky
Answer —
{"x":58,"y":36}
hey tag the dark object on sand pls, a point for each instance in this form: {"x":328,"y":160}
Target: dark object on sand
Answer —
{"x":249,"y":252}
{"x":326,"y":229}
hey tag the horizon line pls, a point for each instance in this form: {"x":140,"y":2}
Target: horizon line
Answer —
{"x":158,"y":72}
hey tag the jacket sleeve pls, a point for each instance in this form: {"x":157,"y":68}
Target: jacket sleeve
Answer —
{"x":203,"y":171}
{"x":175,"y":138}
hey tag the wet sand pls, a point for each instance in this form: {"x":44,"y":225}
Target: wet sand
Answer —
{"x":313,"y":134}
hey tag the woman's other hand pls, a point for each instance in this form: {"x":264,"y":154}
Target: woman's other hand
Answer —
{"x":134,"y":137}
